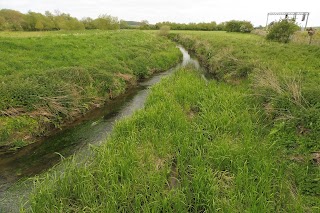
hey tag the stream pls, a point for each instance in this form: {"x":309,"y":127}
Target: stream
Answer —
{"x":93,"y":128}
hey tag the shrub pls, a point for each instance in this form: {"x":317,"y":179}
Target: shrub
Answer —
{"x":246,"y":27}
{"x":239,"y":26}
{"x":282,"y":30}
{"x":164,"y":30}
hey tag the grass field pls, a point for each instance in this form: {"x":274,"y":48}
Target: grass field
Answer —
{"x":50,"y":78}
{"x":196,"y":147}
{"x":247,"y":142}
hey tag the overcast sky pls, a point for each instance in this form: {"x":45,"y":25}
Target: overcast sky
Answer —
{"x":183,"y":11}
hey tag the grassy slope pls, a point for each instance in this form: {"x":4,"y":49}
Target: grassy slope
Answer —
{"x":195,"y":147}
{"x":284,"y":80}
{"x":231,"y":57}
{"x":49,"y":78}
{"x":206,"y":146}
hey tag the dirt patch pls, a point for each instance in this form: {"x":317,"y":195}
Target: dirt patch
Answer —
{"x":316,"y":158}
{"x":173,"y":180}
{"x":127,"y":78}
{"x":194,"y":110}
{"x":297,"y":158}
{"x":301,"y":130}
{"x":12,"y":111}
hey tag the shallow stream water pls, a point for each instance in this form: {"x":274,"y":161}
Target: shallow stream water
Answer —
{"x":93,"y":128}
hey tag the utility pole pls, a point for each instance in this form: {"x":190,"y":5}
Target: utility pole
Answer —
{"x":267,"y":21}
{"x":305,"y":28}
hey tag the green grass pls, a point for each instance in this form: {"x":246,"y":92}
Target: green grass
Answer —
{"x":285,"y":77}
{"x":247,"y":142}
{"x":196,"y":147}
{"x":52,"y":77}
{"x":284,"y":80}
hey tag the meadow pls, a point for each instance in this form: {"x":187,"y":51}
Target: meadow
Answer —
{"x":246,"y":141}
{"x":50,"y":78}
{"x":299,"y":37}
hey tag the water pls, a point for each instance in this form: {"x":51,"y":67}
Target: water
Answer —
{"x":93,"y":128}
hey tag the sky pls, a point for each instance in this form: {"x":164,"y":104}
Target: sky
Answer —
{"x":181,"y":11}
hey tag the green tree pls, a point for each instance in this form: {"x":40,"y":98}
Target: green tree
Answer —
{"x":88,"y":23}
{"x":2,"y":23}
{"x":246,"y":27}
{"x":107,"y":22}
{"x":164,"y":30}
{"x":39,"y":26}
{"x":144,"y":25}
{"x":282,"y":30}
{"x":13,"y":19}
{"x":238,"y":26}
{"x":124,"y":24}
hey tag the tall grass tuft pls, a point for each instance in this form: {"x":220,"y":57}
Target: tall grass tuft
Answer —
{"x":164,"y":30}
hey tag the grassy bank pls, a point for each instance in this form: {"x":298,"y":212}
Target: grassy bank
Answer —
{"x":283,"y":79}
{"x":197,"y":146}
{"x":247,"y":142}
{"x":50,"y":78}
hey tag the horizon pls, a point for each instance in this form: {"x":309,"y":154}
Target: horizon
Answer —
{"x":178,"y":12}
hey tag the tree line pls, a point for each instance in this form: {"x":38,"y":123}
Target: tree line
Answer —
{"x":12,"y":20}
{"x":15,"y":21}
{"x":229,"y":26}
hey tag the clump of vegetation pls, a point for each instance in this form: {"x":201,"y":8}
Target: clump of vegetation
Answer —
{"x":106,"y":22}
{"x":144,"y":25}
{"x":11,"y":20}
{"x":164,"y":30}
{"x":68,"y":74}
{"x":311,"y":33}
{"x":239,"y":26}
{"x":282,"y":30}
{"x":224,"y":64}
{"x":212,"y":26}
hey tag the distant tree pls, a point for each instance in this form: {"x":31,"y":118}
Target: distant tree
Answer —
{"x":191,"y":26}
{"x":246,"y":27}
{"x":88,"y":23}
{"x":39,"y":25}
{"x":49,"y":14}
{"x":13,"y":19}
{"x":124,"y":24}
{"x":30,"y":21}
{"x":238,"y":26}
{"x":64,"y":21}
{"x":221,"y":26}
{"x":144,"y":25}
{"x":164,"y":30}
{"x":107,"y":22}
{"x":282,"y":30}
{"x":2,"y":23}
{"x":50,"y":24}
{"x":212,"y":26}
